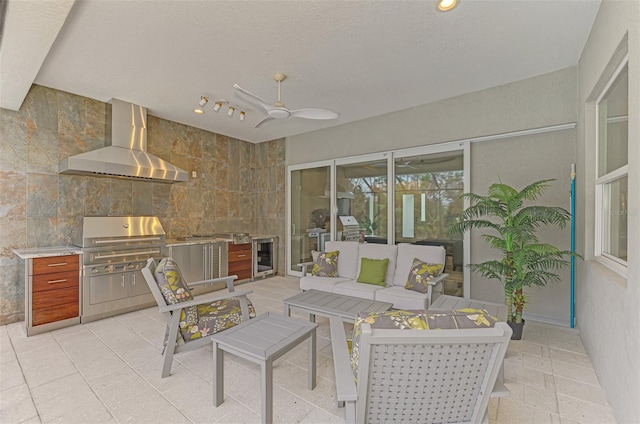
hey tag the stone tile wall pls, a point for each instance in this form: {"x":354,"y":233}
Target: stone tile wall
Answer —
{"x":240,"y":185}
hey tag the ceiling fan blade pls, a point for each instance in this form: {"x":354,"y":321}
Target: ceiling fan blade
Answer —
{"x":266,"y":106}
{"x":314,"y":114}
{"x":264,"y":120}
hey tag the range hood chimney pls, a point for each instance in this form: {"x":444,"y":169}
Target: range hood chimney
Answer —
{"x":126,"y":154}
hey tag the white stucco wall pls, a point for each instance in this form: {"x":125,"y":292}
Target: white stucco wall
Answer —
{"x":607,"y":304}
{"x":537,"y":102}
{"x":532,"y":103}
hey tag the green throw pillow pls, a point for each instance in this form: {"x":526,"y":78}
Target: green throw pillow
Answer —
{"x":326,"y":264}
{"x":420,"y":274}
{"x":373,"y":271}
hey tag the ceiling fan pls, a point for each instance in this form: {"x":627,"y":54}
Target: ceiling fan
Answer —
{"x":279,"y":111}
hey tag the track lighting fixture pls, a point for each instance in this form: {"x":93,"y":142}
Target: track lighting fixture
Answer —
{"x":201,"y":104}
{"x":217,"y":105}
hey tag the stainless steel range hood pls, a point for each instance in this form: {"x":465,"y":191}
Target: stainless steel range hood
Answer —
{"x":127,"y":156}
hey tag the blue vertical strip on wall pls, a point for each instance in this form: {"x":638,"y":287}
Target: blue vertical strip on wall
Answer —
{"x":572,"y":313}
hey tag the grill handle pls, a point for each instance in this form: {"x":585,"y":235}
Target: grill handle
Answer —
{"x":119,"y":255}
{"x":127,"y":240}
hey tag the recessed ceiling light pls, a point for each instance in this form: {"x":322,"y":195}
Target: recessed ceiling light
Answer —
{"x":446,"y":5}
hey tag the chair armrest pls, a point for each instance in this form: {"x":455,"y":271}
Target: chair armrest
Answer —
{"x":430,"y":285}
{"x":201,"y":300}
{"x":437,"y":280}
{"x":345,"y":384}
{"x":305,"y":267}
{"x":228,"y":280}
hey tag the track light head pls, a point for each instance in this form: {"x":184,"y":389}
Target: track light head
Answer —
{"x":217,"y":106}
{"x":231,"y":110}
{"x":201,"y":104}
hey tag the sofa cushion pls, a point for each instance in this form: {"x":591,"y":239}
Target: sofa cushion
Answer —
{"x":326,"y":264}
{"x":373,"y":271}
{"x":408,"y":252}
{"x":348,"y":263}
{"x":402,"y":298}
{"x":320,"y":283}
{"x":420,"y":274}
{"x":417,"y":320}
{"x":355,"y":289}
{"x":380,"y":251}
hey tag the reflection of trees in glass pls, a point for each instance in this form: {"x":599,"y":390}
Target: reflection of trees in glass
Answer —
{"x":370,"y":204}
{"x":442,"y":202}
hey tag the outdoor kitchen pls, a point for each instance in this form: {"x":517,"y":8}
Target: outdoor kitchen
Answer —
{"x":234,"y":191}
{"x":112,"y":252}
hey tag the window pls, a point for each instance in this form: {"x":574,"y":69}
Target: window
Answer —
{"x":612,"y":168}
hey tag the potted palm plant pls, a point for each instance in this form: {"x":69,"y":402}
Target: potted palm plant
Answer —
{"x":512,"y":226}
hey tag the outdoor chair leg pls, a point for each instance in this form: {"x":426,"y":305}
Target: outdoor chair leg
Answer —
{"x":171,"y":344}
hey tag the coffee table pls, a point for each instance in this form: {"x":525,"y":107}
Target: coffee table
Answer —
{"x":328,"y":305}
{"x":262,"y":340}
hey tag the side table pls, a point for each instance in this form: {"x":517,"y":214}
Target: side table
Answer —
{"x":262,"y":340}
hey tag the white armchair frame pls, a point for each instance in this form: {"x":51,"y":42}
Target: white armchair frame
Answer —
{"x":172,"y":312}
{"x":419,"y":375}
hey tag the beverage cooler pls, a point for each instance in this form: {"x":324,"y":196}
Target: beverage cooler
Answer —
{"x":265,"y":256}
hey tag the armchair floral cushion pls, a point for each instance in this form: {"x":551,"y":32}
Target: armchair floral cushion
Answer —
{"x":417,"y":320}
{"x":174,"y":289}
{"x":212,"y":318}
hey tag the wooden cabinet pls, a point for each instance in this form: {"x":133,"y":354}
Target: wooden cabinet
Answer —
{"x":241,"y":260}
{"x":52,"y":292}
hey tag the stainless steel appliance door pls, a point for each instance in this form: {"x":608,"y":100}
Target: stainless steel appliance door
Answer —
{"x":193,"y":260}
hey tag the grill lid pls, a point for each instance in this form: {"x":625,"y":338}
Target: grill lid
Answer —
{"x":95,"y":231}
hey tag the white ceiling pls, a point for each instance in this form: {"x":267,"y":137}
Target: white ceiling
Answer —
{"x":358,"y":58}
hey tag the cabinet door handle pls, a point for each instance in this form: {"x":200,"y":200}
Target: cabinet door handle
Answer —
{"x":57,"y":281}
{"x":133,"y":280}
{"x":58,"y":264}
{"x":241,"y":256}
{"x":122,"y":284}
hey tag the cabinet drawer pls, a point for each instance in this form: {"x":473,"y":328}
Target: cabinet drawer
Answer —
{"x":55,"y":281}
{"x":241,"y":255}
{"x":56,"y":313}
{"x":237,"y":247}
{"x":242,"y":275}
{"x":55,"y":264}
{"x":235,"y":267}
{"x":50,"y":298}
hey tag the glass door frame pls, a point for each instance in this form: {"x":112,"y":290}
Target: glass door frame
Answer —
{"x":390,"y":156}
{"x":290,"y":169}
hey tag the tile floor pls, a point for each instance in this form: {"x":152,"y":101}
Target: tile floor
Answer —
{"x":109,"y":371}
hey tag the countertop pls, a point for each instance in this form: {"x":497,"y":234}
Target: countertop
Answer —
{"x":182,"y":242}
{"x":42,"y":252}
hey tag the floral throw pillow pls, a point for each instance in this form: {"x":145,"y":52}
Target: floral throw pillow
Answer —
{"x":420,"y":274}
{"x":326,"y":264}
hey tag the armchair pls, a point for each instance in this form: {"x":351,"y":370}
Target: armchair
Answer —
{"x":416,"y":375}
{"x":190,"y":320}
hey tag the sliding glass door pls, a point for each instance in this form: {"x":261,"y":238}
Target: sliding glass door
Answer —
{"x":310,"y":206}
{"x":428,"y":189}
{"x":362,"y":201}
{"x":405,"y":196}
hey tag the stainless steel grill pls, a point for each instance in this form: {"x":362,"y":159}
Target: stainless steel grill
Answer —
{"x":115,"y":249}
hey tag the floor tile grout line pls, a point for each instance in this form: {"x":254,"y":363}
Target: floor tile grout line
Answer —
{"x":130,"y":366}
{"x":24,"y":377}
